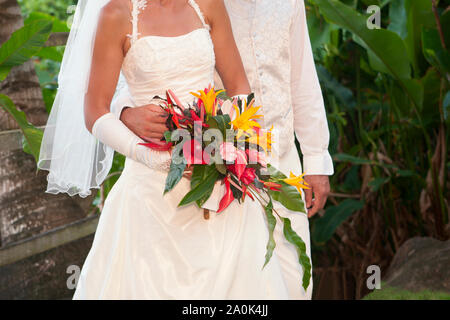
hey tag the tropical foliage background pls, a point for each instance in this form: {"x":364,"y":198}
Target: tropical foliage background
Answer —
{"x":388,"y":102}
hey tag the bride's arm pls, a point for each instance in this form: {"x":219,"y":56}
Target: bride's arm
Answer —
{"x":107,"y":58}
{"x":108,"y":55}
{"x":228,"y":60}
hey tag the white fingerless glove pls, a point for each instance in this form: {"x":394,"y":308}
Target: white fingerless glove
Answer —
{"x":115,"y":134}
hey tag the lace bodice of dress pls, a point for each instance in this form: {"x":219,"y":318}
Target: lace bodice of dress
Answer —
{"x":154,"y":64}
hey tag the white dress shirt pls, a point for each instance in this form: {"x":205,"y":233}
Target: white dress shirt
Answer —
{"x":273,"y":40}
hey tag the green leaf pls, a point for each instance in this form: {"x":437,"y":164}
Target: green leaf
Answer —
{"x":202,"y":189}
{"x":274,"y":172}
{"x":319,"y":32}
{"x":4,"y":71}
{"x":168,"y":136}
{"x":325,"y":226}
{"x":32,"y":135}
{"x":387,"y":46}
{"x":446,"y":105}
{"x":406,"y":173}
{"x":343,"y":94}
{"x":223,"y":123}
{"x":22,"y":45}
{"x":387,"y":51}
{"x":398,"y":18}
{"x":352,"y":159}
{"x":376,"y":183}
{"x":221,"y":167}
{"x":300,"y":246}
{"x":49,"y":95}
{"x":175,"y":174}
{"x":289,"y":197}
{"x":51,"y":53}
{"x":433,"y":51}
{"x":200,"y":173}
{"x":420,"y":15}
{"x":445,"y":24}
{"x":250,"y":97}
{"x":223,"y":96}
{"x":57,"y":25}
{"x":271,"y":223}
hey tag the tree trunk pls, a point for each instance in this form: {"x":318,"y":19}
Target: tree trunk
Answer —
{"x":25,"y":209}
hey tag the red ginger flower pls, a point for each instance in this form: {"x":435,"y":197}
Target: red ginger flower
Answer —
{"x":227,"y":198}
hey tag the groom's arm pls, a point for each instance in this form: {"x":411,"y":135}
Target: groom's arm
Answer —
{"x":147,"y":122}
{"x":122,"y":102}
{"x":310,"y":122}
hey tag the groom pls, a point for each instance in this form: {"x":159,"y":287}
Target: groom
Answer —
{"x":273,"y":41}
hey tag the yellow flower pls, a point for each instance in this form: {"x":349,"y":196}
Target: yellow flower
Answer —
{"x":209,"y":99}
{"x":297,"y":182}
{"x":244,"y":122}
{"x":263,"y":139}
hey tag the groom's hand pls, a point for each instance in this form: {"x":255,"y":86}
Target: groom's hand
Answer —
{"x":320,"y":187}
{"x":147,"y":122}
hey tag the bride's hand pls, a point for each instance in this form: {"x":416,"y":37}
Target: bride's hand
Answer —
{"x":147,"y":122}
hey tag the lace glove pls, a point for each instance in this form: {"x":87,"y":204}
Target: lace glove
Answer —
{"x":212,"y":203}
{"x":115,"y":134}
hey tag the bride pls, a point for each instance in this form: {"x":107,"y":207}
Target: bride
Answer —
{"x":146,"y":247}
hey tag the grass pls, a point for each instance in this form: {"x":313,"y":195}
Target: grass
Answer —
{"x":392,"y":293}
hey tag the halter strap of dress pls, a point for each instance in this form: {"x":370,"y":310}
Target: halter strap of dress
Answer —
{"x":199,"y":12}
{"x":139,"y":5}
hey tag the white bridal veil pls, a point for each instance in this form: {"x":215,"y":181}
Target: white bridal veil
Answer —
{"x":76,"y":161}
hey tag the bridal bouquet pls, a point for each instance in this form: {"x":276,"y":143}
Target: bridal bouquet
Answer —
{"x":233,"y":149}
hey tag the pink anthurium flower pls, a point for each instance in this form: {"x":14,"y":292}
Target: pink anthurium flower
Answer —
{"x":241,"y":158}
{"x":193,"y":153}
{"x":228,"y":151}
{"x":248,"y":176}
{"x":255,"y":156}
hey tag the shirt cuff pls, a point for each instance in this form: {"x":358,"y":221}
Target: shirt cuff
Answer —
{"x":320,"y":164}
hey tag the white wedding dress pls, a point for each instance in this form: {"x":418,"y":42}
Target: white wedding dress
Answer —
{"x":146,"y":247}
